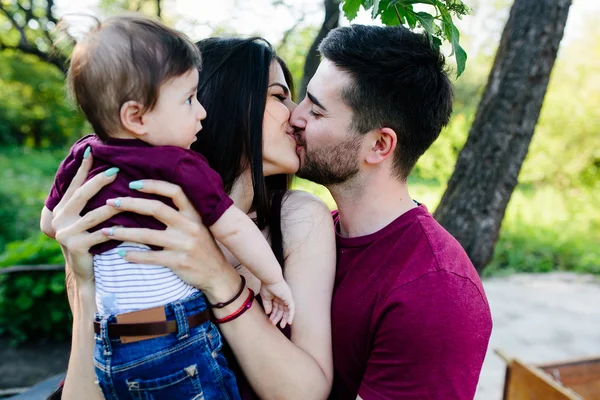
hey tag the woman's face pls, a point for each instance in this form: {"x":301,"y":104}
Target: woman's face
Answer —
{"x":279,"y":146}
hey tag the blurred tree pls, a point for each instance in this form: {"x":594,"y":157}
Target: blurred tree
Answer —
{"x":27,"y":26}
{"x":487,"y":170}
{"x":331,"y":21}
{"x":150,"y":7}
{"x":35,"y":110}
{"x":293,"y":51}
{"x":565,"y":150}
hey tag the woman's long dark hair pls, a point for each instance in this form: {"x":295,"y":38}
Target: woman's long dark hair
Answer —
{"x":233,"y":88}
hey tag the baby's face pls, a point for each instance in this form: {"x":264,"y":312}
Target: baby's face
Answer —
{"x":177,"y":116}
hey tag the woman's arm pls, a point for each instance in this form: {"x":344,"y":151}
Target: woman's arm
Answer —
{"x":303,"y":368}
{"x":80,"y":373}
{"x":71,"y":233}
{"x":276,"y":367}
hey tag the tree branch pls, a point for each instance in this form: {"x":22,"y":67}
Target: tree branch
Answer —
{"x":57,"y":60}
{"x":331,"y":21}
{"x":28,"y":12}
{"x":286,"y":34}
{"x":23,"y":39}
{"x":24,"y":46}
{"x":49,"y":13}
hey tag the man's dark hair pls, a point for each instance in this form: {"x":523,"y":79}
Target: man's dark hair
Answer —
{"x":398,"y":81}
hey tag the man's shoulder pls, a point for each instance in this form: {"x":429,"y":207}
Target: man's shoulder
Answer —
{"x":445,"y":252}
{"x":434,"y":251}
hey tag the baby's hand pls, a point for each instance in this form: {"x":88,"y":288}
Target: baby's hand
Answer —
{"x":278,"y":302}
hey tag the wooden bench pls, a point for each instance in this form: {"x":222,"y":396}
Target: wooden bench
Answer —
{"x":568,"y":380}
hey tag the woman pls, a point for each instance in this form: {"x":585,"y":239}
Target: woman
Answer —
{"x":248,"y":140}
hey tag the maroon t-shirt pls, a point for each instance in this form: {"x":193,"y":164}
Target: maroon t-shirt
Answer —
{"x":138,"y":160}
{"x":410,"y":319}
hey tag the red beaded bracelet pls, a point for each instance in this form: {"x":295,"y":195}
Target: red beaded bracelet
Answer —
{"x":245,"y":307}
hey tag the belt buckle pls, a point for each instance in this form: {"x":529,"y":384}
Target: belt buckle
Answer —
{"x":156,"y":314}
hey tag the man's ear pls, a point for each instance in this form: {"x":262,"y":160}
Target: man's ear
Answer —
{"x":383,"y":145}
{"x":131,"y":118}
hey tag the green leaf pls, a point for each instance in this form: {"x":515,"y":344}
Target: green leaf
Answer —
{"x":350,"y":8}
{"x":39,"y":289}
{"x":57,"y":285}
{"x":411,"y":2}
{"x":390,"y":18}
{"x":409,"y":16}
{"x":461,"y":60}
{"x":24,"y":282}
{"x":411,"y":19}
{"x":454,"y":38}
{"x":375,"y":10}
{"x":57,"y":315}
{"x":426,"y":21}
{"x":24,"y":301}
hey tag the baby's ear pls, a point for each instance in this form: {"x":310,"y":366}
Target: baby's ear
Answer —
{"x":131,"y":118}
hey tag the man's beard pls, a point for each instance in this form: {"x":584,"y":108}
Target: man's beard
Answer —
{"x":331,"y":165}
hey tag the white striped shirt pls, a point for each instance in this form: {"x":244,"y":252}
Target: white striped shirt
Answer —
{"x":122,"y":286}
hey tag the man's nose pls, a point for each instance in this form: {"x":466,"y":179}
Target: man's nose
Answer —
{"x":297,"y":119}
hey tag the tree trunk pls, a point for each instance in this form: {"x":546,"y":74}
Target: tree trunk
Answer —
{"x":488,"y":166}
{"x":331,"y":21}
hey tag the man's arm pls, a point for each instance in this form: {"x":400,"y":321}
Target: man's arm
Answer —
{"x":431,"y":340}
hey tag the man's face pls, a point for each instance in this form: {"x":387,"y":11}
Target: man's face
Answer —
{"x":329,"y":150}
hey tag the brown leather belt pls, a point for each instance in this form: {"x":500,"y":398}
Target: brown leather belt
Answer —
{"x":152,"y":328}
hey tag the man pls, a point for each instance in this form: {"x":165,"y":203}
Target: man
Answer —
{"x":410,"y":319}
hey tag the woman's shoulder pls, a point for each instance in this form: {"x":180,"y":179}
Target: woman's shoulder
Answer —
{"x":305,"y":217}
{"x":299,"y":203}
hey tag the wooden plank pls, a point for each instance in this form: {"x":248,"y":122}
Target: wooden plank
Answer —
{"x":582,"y":376}
{"x":530,"y":383}
{"x":31,"y":268}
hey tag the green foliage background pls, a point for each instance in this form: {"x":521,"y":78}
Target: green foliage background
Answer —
{"x":552,"y":221}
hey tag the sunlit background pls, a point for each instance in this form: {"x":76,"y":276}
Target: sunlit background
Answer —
{"x":552,"y":222}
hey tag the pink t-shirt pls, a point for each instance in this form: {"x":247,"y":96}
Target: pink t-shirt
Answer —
{"x":410,"y":318}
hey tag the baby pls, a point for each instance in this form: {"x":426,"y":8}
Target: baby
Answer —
{"x":135,"y":79}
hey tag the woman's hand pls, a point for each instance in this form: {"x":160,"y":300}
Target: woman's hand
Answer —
{"x":188,"y":247}
{"x":71,"y":233}
{"x":71,"y":228}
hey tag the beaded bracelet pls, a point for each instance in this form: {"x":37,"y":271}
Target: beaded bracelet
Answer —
{"x":245,"y":307}
{"x":238,"y":294}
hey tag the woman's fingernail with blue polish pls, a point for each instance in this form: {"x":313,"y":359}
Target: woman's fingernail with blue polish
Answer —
{"x":118,"y":203}
{"x":122,"y":253}
{"x":137,"y":185}
{"x":111,"y":171}
{"x":87,"y":152}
